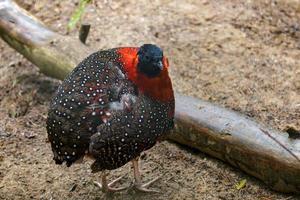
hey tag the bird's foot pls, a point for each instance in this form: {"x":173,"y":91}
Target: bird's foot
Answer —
{"x":144,"y":187}
{"x":108,"y":188}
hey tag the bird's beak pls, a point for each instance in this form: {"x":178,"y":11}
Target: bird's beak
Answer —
{"x":160,"y":65}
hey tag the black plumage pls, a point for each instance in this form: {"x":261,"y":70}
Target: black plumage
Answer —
{"x":98,"y":111}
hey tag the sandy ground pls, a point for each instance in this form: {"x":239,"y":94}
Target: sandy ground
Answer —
{"x":243,"y":55}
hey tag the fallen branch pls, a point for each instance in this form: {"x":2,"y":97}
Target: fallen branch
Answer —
{"x":262,"y":152}
{"x":54,"y":54}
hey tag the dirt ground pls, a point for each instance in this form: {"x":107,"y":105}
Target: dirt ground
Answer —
{"x":243,"y":55}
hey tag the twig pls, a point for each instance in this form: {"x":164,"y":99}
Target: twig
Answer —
{"x":84,"y":32}
{"x":282,"y":145}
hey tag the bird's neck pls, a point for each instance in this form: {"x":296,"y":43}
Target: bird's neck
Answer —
{"x":158,"y":88}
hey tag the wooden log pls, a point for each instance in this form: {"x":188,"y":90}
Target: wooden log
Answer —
{"x":267,"y":154}
{"x":55,"y":54}
{"x":263,"y":152}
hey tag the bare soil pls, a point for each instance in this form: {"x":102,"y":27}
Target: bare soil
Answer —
{"x":243,"y":55}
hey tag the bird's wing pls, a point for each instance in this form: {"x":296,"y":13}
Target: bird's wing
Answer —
{"x":86,"y":99}
{"x":129,"y":132}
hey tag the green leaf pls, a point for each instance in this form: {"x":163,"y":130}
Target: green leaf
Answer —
{"x":241,"y":184}
{"x":77,"y":14}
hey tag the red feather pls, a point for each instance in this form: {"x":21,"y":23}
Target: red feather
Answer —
{"x":159,"y":88}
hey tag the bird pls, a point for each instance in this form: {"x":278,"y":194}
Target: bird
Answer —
{"x":114,"y":105}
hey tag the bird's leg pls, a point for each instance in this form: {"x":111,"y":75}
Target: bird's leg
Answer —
{"x":107,"y":187}
{"x":138,"y":181}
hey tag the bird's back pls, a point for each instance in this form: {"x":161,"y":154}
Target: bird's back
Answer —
{"x":82,"y":103}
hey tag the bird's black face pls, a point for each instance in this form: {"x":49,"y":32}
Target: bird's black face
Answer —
{"x":150,"y":60}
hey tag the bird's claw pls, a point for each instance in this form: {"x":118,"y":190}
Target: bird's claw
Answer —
{"x":108,"y":188}
{"x":143,"y":187}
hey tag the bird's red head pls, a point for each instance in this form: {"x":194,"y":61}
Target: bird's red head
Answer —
{"x":148,"y":69}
